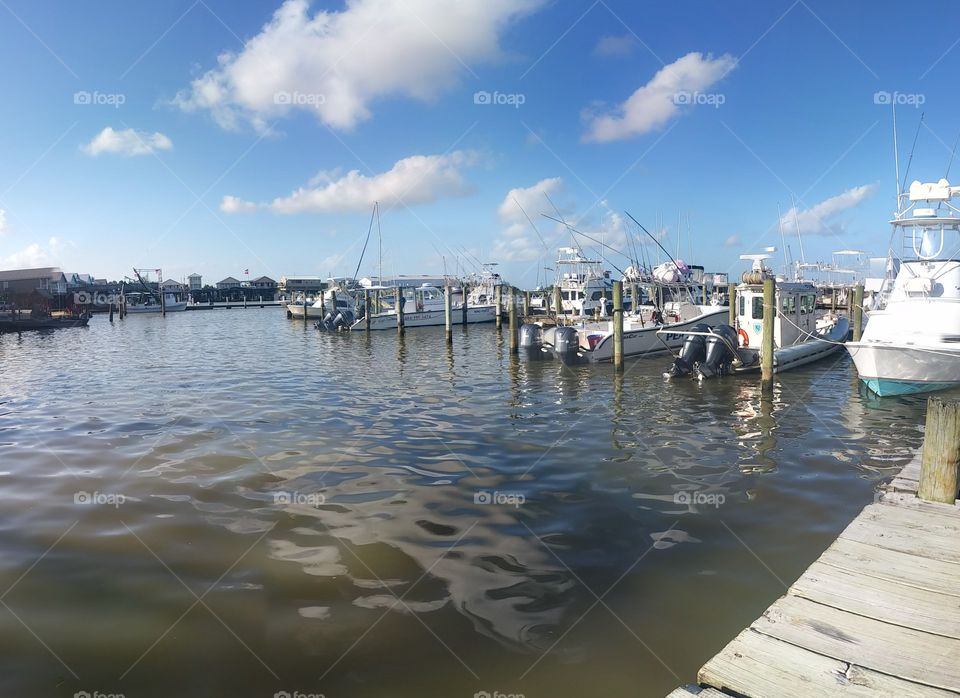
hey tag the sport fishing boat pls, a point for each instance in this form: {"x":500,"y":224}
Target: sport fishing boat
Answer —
{"x":585,"y":288}
{"x":912,"y":345}
{"x":424,"y":306}
{"x":799,"y":336}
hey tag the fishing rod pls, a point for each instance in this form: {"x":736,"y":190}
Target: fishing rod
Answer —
{"x":576,"y":244}
{"x":592,"y":239}
{"x":656,"y":241}
{"x":365,"y":242}
{"x":912,"y":148}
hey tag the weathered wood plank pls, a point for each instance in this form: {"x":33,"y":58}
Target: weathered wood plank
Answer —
{"x":760,"y":666}
{"x":893,"y":534}
{"x":913,"y":655}
{"x":886,"y":601}
{"x":894,"y":566}
{"x":911,"y":501}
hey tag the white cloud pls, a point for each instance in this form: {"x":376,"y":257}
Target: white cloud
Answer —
{"x":518,"y":242}
{"x":818,"y":219}
{"x":335,"y":64}
{"x":732,"y":241}
{"x":417,"y":179}
{"x":615,"y":45}
{"x":654,"y":104}
{"x":127,"y":142}
{"x":34,"y":255}
{"x":4,"y":227}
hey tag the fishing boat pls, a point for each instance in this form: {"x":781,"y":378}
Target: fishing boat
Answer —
{"x":138,"y":302}
{"x":585,"y":288}
{"x":424,"y":306}
{"x":912,"y":345}
{"x":800,"y":337}
{"x":16,"y":322}
{"x":335,"y":305}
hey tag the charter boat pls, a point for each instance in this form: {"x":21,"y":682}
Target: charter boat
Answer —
{"x":424,"y":306}
{"x":585,"y":288}
{"x":800,"y":337}
{"x":912,"y":345}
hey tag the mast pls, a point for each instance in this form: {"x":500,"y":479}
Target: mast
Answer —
{"x":376,"y":208}
{"x":796,"y":220}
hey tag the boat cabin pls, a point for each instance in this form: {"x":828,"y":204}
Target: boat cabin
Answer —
{"x":795,"y":321}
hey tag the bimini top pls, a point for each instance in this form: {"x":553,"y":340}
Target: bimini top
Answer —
{"x":943,"y":214}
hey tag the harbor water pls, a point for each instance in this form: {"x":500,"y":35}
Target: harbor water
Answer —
{"x":235,"y":504}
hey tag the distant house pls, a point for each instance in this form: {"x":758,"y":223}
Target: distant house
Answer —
{"x":195,"y":282}
{"x":26,"y":281}
{"x":228,"y":283}
{"x":264,"y":283}
{"x":171,"y":286}
{"x":301,"y":284}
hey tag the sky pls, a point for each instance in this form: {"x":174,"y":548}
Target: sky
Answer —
{"x":219,"y":137}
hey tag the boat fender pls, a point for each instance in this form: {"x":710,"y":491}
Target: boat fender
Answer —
{"x":744,"y":338}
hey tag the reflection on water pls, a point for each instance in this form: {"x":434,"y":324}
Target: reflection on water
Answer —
{"x":230,"y":501}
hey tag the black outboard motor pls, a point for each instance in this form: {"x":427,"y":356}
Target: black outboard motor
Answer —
{"x":531,"y":337}
{"x":719,"y":354}
{"x":344,"y":319}
{"x":693,"y":352}
{"x":567,"y":344}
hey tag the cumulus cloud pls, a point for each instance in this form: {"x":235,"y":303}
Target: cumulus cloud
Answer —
{"x":417,"y":179}
{"x":732,"y":241}
{"x":819,"y":218}
{"x":653,"y":105}
{"x":335,"y":64}
{"x":518,"y":242}
{"x":615,"y":45}
{"x":127,"y":142}
{"x":34,"y":255}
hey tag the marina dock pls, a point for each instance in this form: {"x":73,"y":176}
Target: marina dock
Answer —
{"x":878,"y":614}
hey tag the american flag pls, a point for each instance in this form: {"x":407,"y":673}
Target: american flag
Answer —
{"x":247,"y":272}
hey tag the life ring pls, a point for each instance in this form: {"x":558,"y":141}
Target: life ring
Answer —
{"x":744,"y":338}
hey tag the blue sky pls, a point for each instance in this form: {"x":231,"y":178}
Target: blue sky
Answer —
{"x":214,"y":136}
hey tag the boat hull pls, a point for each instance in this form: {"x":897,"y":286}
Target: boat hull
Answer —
{"x":427,"y":318}
{"x":892,"y":369}
{"x":144,"y":309}
{"x":295,"y":310}
{"x":646,"y":341}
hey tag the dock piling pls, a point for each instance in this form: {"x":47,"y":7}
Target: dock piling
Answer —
{"x":557,"y":303}
{"x":857,"y":315}
{"x":766,"y":343}
{"x":512,"y":313}
{"x":732,"y":296}
{"x":618,"y":324}
{"x":526,"y":304}
{"x":940,"y":465}
{"x":463,"y":305}
{"x":399,"y":309}
{"x":498,"y":302}
{"x":366,"y":307}
{"x":447,"y":313}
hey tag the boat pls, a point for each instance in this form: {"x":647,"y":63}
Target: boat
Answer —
{"x":800,"y":337}
{"x":424,"y":306}
{"x":585,"y":288}
{"x":138,"y":302}
{"x":671,"y":306}
{"x":912,"y":344}
{"x":335,"y":308}
{"x":16,"y":322}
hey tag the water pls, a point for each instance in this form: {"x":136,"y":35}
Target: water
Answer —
{"x":227,"y":503}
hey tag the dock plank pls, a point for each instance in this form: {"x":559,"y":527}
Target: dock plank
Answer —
{"x":894,"y":535}
{"x":881,"y":599}
{"x":866,"y":642}
{"x":760,"y":666}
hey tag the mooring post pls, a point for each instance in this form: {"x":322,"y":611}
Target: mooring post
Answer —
{"x":634,"y":298}
{"x":833,"y":300}
{"x":111,"y":311}
{"x":940,"y":464}
{"x":401,"y":301}
{"x":498,"y":302}
{"x":366,"y":308}
{"x":526,"y":304}
{"x":618,"y":324}
{"x":463,"y":305}
{"x":304,"y":309}
{"x":557,"y":303}
{"x":447,"y":312}
{"x":766,"y":343}
{"x":512,"y":311}
{"x":163,"y":301}
{"x":732,"y":297}
{"x":333,"y":305}
{"x":857,"y":312}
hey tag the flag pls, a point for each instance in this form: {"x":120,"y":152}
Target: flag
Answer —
{"x":247,"y":272}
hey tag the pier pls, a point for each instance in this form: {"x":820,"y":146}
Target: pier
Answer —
{"x":878,"y":614}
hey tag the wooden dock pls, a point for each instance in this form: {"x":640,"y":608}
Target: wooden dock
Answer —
{"x":878,"y":614}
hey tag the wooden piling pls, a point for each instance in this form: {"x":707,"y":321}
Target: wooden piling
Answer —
{"x":557,"y":303}
{"x":498,"y":302}
{"x":940,"y":466}
{"x":399,"y":308}
{"x":163,"y":301}
{"x":526,"y":304}
{"x":304,"y":309}
{"x":464,"y":305}
{"x":512,"y":314}
{"x":857,"y":314}
{"x":366,"y":308}
{"x":618,"y":324}
{"x":111,"y":312}
{"x":732,"y":296}
{"x":634,"y":298}
{"x":833,"y":300}
{"x":447,"y":312}
{"x":766,"y":343}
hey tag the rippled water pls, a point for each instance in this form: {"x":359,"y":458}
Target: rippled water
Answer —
{"x":228,"y":503}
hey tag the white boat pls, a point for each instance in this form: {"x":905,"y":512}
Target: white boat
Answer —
{"x":800,"y":337}
{"x":333,"y":302}
{"x":424,"y":306}
{"x":585,"y":288}
{"x":912,"y":345}
{"x":150,"y":303}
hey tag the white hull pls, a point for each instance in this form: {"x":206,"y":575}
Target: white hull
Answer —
{"x":899,"y":369}
{"x":296,"y":311}
{"x":806,"y":352}
{"x":427,"y":318}
{"x":143,"y":309}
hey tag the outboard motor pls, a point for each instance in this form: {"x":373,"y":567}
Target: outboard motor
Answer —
{"x":567,"y":344}
{"x":719,"y":355}
{"x":693,"y":352}
{"x":531,"y":337}
{"x":344,"y":319}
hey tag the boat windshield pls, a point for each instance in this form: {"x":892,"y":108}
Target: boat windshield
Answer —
{"x":934,"y":240}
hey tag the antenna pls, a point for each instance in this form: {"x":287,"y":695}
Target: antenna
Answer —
{"x":783,"y":240}
{"x":376,"y":207}
{"x":796,"y":220}
{"x":896,"y":151}
{"x":910,"y":159}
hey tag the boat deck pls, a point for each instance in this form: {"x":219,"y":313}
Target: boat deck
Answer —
{"x":878,"y":614}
